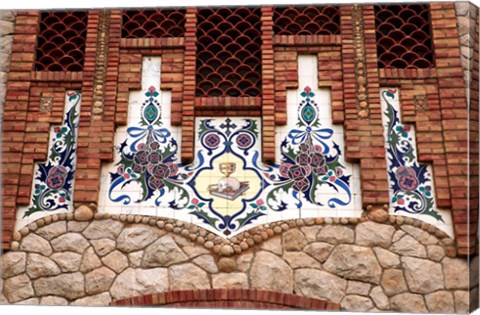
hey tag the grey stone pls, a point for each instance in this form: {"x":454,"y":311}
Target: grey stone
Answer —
{"x":273,"y":245}
{"x":374,"y":234}
{"x":9,"y":15}
{"x":90,"y":261}
{"x":354,"y":262}
{"x":408,"y":302}
{"x":116,"y":261}
{"x":83,"y":213}
{"x":193,"y":250}
{"x":72,"y":242}
{"x":474,"y":298}
{"x":420,"y":235}
{"x":133,"y":282}
{"x":379,"y":298}
{"x":462,"y":302}
{"x":103,"y":229}
{"x":6,"y":27}
{"x":70,"y":285}
{"x":102,"y":299}
{"x":244,"y":261}
{"x":4,"y":61}
{"x":462,"y":7}
{"x":234,"y":280}
{"x":75,"y":226}
{"x":319,"y":284}
{"x":473,"y":272}
{"x":31,"y":301}
{"x":435,"y":252}
{"x":336,"y":234}
{"x":294,"y":240}
{"x":12,"y":264}
{"x":310,"y":232}
{"x":136,"y":237}
{"x":99,"y":280}
{"x":18,"y":288}
{"x":67,"y":261}
{"x":41,"y":266}
{"x":356,"y":303}
{"x":393,"y":282}
{"x":319,"y":250}
{"x":207,"y":263}
{"x":188,"y":277}
{"x":358,"y":288}
{"x":52,"y":230}
{"x":163,"y":253}
{"x":440,"y":302}
{"x":456,"y":273}
{"x":226,"y":264}
{"x":398,"y":235}
{"x":3,"y":298}
{"x":135,"y":258}
{"x":408,"y":246}
{"x":265,"y":271}
{"x":386,"y":258}
{"x":182,"y":241}
{"x":53,"y":301}
{"x":36,"y":244}
{"x":103,"y":246}
{"x":300,"y":260}
{"x":422,"y":275}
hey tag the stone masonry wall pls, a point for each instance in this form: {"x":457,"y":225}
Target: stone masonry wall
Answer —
{"x":466,"y":16}
{"x":401,"y":265}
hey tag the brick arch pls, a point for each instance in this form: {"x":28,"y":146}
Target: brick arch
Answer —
{"x":228,"y":298}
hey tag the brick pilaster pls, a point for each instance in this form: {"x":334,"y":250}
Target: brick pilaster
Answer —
{"x":364,"y":133}
{"x":15,"y":116}
{"x":91,"y":129}
{"x":188,"y":110}
{"x":454,"y":116}
{"x":268,"y":87}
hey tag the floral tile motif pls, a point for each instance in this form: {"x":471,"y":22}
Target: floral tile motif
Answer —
{"x":149,"y":158}
{"x":227,"y":189}
{"x":53,"y":182}
{"x":310,"y":159}
{"x":411,"y":183}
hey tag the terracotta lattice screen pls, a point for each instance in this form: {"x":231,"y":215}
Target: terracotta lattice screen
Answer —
{"x":309,"y":20}
{"x":61,"y":41}
{"x":404,"y":38}
{"x":153,"y":23}
{"x":228,"y":52}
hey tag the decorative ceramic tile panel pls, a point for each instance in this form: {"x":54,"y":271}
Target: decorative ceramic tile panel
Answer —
{"x":411,"y":183}
{"x":227,"y":189}
{"x":52,"y":188}
{"x":147,"y":152}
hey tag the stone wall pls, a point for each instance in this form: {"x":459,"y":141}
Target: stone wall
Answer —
{"x":466,"y":17}
{"x":7,"y":25}
{"x":402,"y":265}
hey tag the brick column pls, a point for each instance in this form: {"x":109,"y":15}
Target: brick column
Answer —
{"x":15,"y":116}
{"x":363,"y":115}
{"x":453,"y":106}
{"x":188,"y":110}
{"x":268,"y":87}
{"x":95,"y":135}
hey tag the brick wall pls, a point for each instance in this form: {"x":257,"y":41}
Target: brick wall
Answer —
{"x":347,"y":64}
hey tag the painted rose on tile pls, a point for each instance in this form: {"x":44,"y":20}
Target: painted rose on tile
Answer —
{"x":150,"y":159}
{"x":310,"y":159}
